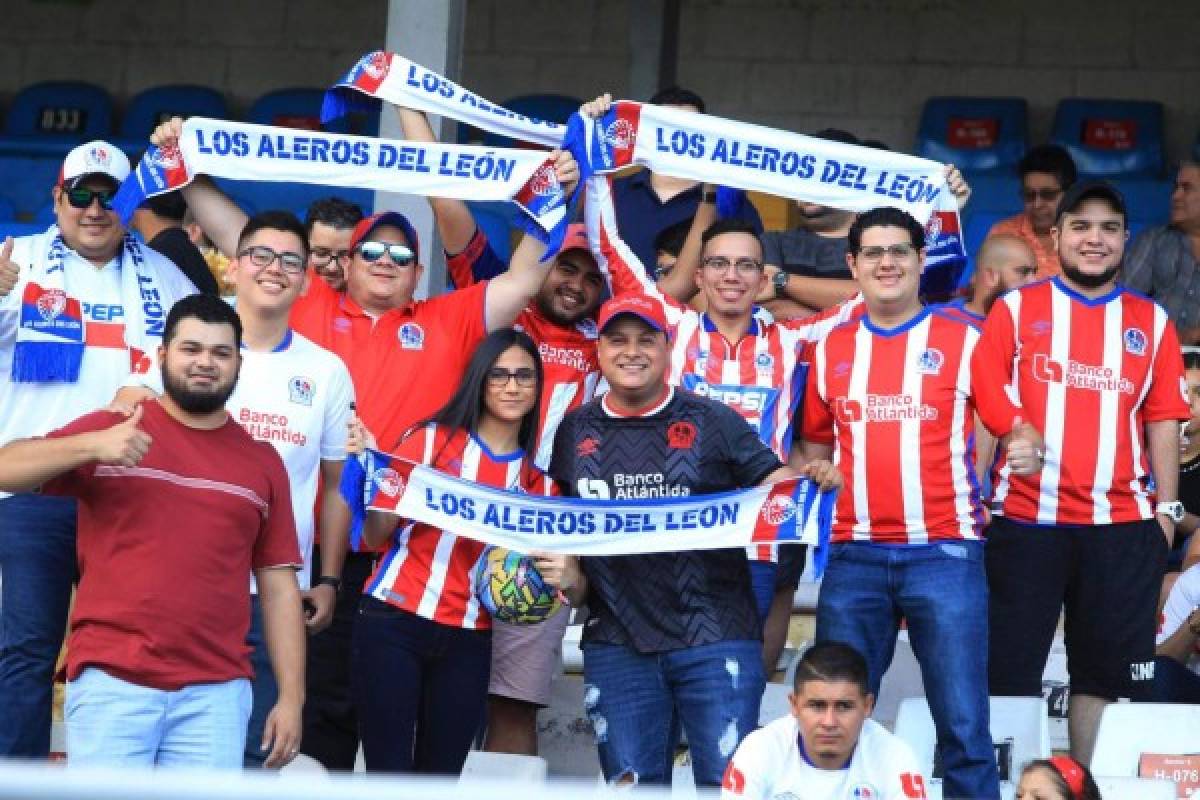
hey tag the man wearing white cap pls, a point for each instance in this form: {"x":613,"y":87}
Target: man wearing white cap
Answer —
{"x":83,"y":307}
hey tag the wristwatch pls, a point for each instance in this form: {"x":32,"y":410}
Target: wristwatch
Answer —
{"x":709,"y":197}
{"x":1172,"y":511}
{"x":329,"y":580}
{"x":779,"y":283}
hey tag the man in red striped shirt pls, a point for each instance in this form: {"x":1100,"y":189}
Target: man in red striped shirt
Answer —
{"x":889,"y":395}
{"x":1081,"y":530}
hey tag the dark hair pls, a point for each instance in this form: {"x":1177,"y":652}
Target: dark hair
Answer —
{"x":728,"y":225}
{"x":206,"y":308}
{"x":671,"y":238}
{"x":837,"y":135}
{"x":678,"y":96}
{"x":332,"y":211}
{"x":1191,"y":359}
{"x":832,"y":661}
{"x":465,"y":407}
{"x":169,"y":205}
{"x":284,"y":221}
{"x":1051,"y":159}
{"x":875,"y":144}
{"x":1090,"y":790}
{"x":885,"y":216}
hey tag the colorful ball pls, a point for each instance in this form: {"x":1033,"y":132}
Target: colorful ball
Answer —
{"x":512,"y":590}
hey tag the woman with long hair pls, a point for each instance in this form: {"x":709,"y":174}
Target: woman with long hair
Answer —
{"x":422,"y":641}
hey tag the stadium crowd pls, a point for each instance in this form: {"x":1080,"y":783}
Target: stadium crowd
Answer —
{"x":161,"y":446}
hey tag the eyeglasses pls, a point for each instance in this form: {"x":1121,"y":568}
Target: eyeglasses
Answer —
{"x":262,"y":256}
{"x":321,"y":256}
{"x":82,"y":198}
{"x":875,"y":254}
{"x":498,"y":377}
{"x":400,"y":254}
{"x":744,"y":266}
{"x":1045,"y":195}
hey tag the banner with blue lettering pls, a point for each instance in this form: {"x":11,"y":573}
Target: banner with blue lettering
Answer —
{"x":242,"y":151}
{"x":794,"y":511}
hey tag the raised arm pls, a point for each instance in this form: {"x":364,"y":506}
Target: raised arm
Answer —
{"x":26,"y":464}
{"x":454,"y":221}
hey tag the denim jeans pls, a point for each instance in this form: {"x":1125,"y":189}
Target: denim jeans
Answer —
{"x":1175,"y":683}
{"x":941,"y":591}
{"x":420,"y":689}
{"x":762,"y":584}
{"x":265,"y":690}
{"x":637,"y":703}
{"x":37,"y":560}
{"x":115,"y":723}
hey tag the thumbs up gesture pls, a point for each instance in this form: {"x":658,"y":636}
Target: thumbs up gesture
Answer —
{"x":1024,"y":451}
{"x":9,"y":270}
{"x":123,"y":444}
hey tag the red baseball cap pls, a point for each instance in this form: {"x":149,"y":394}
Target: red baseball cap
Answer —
{"x":644,"y":307}
{"x":576,"y":238}
{"x":394,"y":218}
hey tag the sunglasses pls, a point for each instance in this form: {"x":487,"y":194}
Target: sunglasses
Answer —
{"x":82,"y":198}
{"x":400,"y":254}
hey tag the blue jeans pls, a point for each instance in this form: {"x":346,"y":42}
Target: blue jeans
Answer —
{"x":115,"y":723}
{"x":762,"y":584}
{"x":266,"y":691}
{"x":420,"y":689}
{"x":38,"y":564}
{"x":637,"y":702}
{"x":941,"y":590}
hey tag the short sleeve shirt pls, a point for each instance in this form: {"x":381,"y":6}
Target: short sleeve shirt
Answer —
{"x":1160,"y":264}
{"x":802,"y":252}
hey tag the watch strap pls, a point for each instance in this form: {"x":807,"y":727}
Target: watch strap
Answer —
{"x":329,"y":580}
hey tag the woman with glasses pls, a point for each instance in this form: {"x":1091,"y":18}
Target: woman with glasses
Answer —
{"x":422,"y":642}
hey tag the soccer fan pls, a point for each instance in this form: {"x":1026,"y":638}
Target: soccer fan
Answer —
{"x":329,"y":224}
{"x":1057,"y":778}
{"x":422,"y":645}
{"x":1081,"y":530}
{"x":1004,"y":262}
{"x":827,"y":747}
{"x":1162,"y":261}
{"x":1177,"y":662}
{"x":648,"y":203}
{"x":889,"y":394}
{"x":159,"y":221}
{"x":1185,"y":550}
{"x":1046,"y":172}
{"x":670,"y":636}
{"x":86,"y":303}
{"x":177,"y":504}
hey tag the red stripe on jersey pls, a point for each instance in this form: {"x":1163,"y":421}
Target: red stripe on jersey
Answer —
{"x":429,"y":571}
{"x":105,"y":334}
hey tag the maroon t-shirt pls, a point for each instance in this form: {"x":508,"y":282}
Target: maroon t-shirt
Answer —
{"x":166,"y":549}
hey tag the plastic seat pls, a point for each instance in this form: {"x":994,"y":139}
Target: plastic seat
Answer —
{"x":1125,"y":788}
{"x":301,"y":108}
{"x":1128,"y":730}
{"x":58,"y":113}
{"x":152,"y":106}
{"x":978,"y":134}
{"x":1112,"y":138}
{"x":8,"y":210}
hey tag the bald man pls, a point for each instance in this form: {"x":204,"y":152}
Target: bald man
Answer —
{"x":1004,"y":262}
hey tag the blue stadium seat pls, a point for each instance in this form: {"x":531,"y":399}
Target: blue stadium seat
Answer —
{"x":994,"y":194}
{"x":50,"y":118}
{"x":978,"y":134}
{"x":25,"y":181}
{"x":15,"y":229}
{"x":152,"y":106}
{"x":253,"y":196}
{"x":551,"y":107}
{"x":301,"y":108}
{"x":8,"y":210}
{"x":1148,"y":201}
{"x":1112,"y":138}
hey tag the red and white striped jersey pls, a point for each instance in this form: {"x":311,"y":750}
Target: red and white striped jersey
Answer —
{"x":896,"y":405}
{"x":1089,"y":374}
{"x":431,"y":572}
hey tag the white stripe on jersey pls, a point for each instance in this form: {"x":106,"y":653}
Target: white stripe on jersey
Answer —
{"x":561,"y":397}
{"x":1056,"y":399}
{"x":441,"y":555}
{"x":958,"y":437}
{"x":859,"y":372}
{"x":910,"y":436}
{"x":1139,"y":491}
{"x":1106,"y":443}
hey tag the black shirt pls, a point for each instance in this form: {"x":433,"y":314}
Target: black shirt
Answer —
{"x":664,"y":601}
{"x":175,"y":245}
{"x":802,"y":252}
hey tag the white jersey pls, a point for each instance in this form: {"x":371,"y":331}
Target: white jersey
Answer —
{"x":769,"y":765}
{"x":34,"y":409}
{"x":1184,"y":598}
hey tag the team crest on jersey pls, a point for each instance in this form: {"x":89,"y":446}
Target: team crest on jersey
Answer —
{"x":865,"y":791}
{"x":701,"y":359}
{"x":681,"y":435}
{"x":841,"y":369}
{"x":587,"y":327}
{"x":388,"y":481}
{"x":765,"y":362}
{"x":778,"y":509}
{"x":587,"y":446}
{"x":1040,"y":327}
{"x":301,"y":390}
{"x":51,"y":302}
{"x":411,"y":336}
{"x":930,"y":362}
{"x":1135,"y":342}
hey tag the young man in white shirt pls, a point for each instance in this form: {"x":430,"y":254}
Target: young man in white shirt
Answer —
{"x":827,"y":748}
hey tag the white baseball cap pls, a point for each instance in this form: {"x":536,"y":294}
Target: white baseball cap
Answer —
{"x":93,"y":158}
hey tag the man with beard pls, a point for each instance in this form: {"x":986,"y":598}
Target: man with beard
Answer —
{"x":1081,"y":529}
{"x":177,"y":503}
{"x":1003,"y":262}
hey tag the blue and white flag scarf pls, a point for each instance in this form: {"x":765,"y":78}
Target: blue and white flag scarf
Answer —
{"x":793,"y":511}
{"x":700,"y":147}
{"x":241,"y":151}
{"x":51,"y":333}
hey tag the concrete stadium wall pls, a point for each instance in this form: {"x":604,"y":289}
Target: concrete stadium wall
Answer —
{"x":865,"y":65}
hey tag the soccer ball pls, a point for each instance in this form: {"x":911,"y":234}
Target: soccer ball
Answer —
{"x":511,"y":589}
